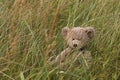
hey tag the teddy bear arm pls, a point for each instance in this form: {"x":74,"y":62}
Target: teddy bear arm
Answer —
{"x":62,"y":55}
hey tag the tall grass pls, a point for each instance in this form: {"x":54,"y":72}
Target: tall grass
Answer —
{"x":30,"y":33}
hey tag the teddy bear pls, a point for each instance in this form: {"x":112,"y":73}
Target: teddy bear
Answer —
{"x":76,"y":38}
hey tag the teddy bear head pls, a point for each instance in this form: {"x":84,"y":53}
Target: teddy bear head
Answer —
{"x":78,"y":37}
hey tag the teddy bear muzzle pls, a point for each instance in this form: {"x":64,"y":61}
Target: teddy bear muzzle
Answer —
{"x":75,"y":45}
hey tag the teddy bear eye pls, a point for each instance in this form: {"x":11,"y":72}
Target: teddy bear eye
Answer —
{"x":73,"y":39}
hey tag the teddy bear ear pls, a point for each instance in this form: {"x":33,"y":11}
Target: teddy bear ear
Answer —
{"x":65,"y":31}
{"x":90,"y":32}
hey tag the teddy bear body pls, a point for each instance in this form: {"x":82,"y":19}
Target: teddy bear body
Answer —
{"x":76,"y":38}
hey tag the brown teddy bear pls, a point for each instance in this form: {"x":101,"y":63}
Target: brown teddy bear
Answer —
{"x":77,"y":38}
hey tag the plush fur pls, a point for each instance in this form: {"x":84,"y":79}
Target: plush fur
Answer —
{"x":76,"y":38}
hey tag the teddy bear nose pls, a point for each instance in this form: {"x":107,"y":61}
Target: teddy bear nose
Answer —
{"x":75,"y":45}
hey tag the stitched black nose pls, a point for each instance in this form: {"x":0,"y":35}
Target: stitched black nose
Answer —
{"x":75,"y":45}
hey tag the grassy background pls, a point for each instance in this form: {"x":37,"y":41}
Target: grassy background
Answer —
{"x":30,"y":33}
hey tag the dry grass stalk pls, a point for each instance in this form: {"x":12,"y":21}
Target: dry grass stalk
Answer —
{"x":54,"y":22}
{"x":12,"y":36}
{"x":20,"y":2}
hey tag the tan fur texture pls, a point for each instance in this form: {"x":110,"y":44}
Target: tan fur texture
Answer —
{"x":62,"y":55}
{"x":76,"y":37}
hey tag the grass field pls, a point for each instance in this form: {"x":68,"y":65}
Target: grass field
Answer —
{"x":30,"y":33}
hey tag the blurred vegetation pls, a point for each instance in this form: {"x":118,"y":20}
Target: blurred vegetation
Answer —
{"x":30,"y":33}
